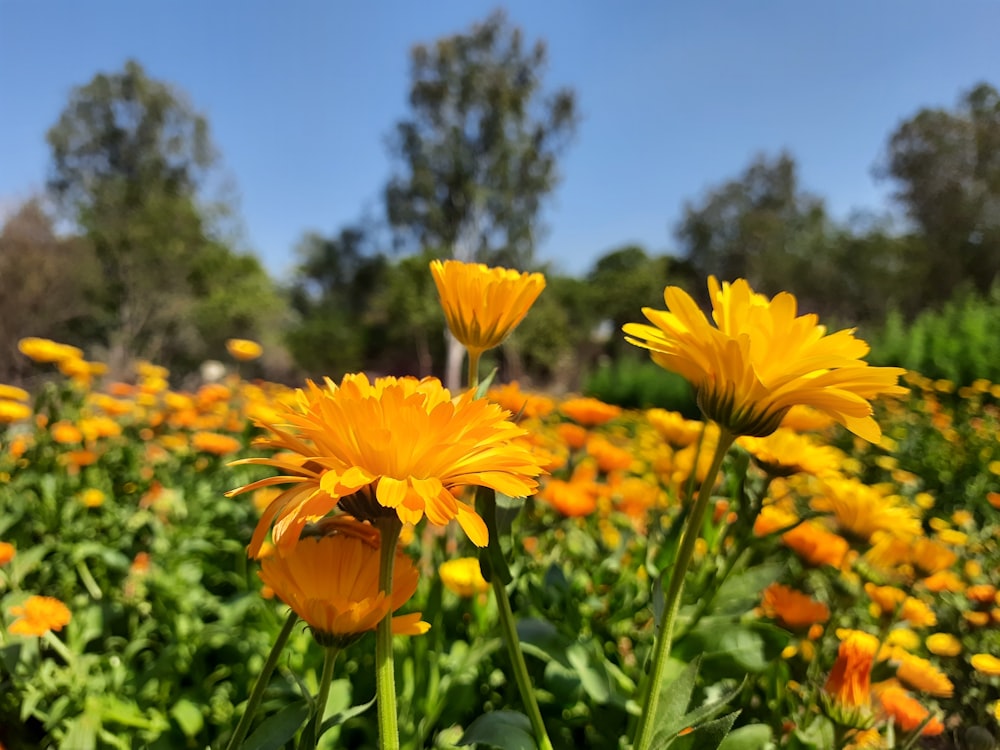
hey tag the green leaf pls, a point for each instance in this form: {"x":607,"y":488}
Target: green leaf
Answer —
{"x":707,"y":736}
{"x":818,"y":735}
{"x":507,"y":730}
{"x":750,"y":737}
{"x":81,"y":733}
{"x":188,"y":717}
{"x":278,"y":729}
{"x":741,"y":592}
{"x":348,"y":713}
{"x":491,"y":558}
{"x":673,"y":701}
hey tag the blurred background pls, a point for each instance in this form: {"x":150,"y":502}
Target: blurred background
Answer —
{"x":174,"y":174}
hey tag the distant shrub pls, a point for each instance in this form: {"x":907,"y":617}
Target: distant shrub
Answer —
{"x":640,"y":384}
{"x":960,"y":342}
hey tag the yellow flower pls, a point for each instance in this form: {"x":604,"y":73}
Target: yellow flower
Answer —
{"x":862,"y":509}
{"x":943,"y":644}
{"x":331,"y":582}
{"x":986,"y":664}
{"x":921,"y":675}
{"x":483,"y":305}
{"x":785,"y":452}
{"x":38,"y":615}
{"x":13,"y":411}
{"x":13,"y":393}
{"x":66,"y":433}
{"x":395,"y":445}
{"x":92,"y":497}
{"x":761,"y":358}
{"x":463,"y":576}
{"x":243,"y":349}
{"x":44,"y":350}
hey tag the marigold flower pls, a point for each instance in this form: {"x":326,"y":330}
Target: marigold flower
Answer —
{"x":66,"y":433}
{"x":397,"y":444}
{"x":13,"y":393}
{"x":674,"y":427}
{"x":38,"y":615}
{"x":943,"y":644}
{"x":7,"y":552}
{"x":92,"y":497}
{"x":216,"y":443}
{"x":849,"y":683}
{"x":463,"y":576}
{"x":513,"y":399}
{"x":906,"y":711}
{"x":918,"y":613}
{"x":794,"y":609}
{"x":483,"y":305}
{"x":981,"y":593}
{"x":761,"y":358}
{"x":785,"y":452}
{"x":921,"y":675}
{"x":44,"y":350}
{"x":865,"y":739}
{"x":573,"y":435}
{"x":590,"y":412}
{"x":13,"y":411}
{"x":331,"y":582}
{"x":243,"y":350}
{"x":986,"y":664}
{"x":571,"y":499}
{"x":815,"y":545}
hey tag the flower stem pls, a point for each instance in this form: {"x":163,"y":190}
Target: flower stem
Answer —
{"x":258,"y":689}
{"x":316,"y":725}
{"x":672,"y":602}
{"x":474,"y":369}
{"x":520,"y":668}
{"x":385,"y":677}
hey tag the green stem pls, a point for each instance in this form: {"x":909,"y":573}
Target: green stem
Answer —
{"x":520,"y":668}
{"x":316,"y":725}
{"x":385,"y":677}
{"x":258,"y":689}
{"x":672,"y":602}
{"x":474,"y":369}
{"x":58,"y":646}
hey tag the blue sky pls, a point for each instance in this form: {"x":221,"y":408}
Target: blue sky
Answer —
{"x":675,"y":97}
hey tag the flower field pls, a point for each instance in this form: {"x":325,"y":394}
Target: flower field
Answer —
{"x":836,"y":592}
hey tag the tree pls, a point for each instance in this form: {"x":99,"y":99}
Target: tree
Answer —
{"x":479,"y":152}
{"x":946,"y":165}
{"x":130,"y":156}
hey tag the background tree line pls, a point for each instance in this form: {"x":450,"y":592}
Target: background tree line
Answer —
{"x":149,"y":269}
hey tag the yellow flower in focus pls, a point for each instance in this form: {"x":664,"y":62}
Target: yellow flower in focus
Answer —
{"x":44,"y":350}
{"x":986,"y":664}
{"x":943,"y":644}
{"x":243,"y":350}
{"x":13,"y":411}
{"x":463,"y":576}
{"x":7,"y":552}
{"x":92,"y":497}
{"x":483,"y":305}
{"x":849,"y":683}
{"x":396,"y":445}
{"x":761,"y":358}
{"x":331,"y":582}
{"x":38,"y":615}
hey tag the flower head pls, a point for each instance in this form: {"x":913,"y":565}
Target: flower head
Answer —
{"x":986,"y":664}
{"x":849,"y":683}
{"x":13,"y":411}
{"x":792,"y":608}
{"x":463,"y":576}
{"x":7,"y":552}
{"x":331,"y":582}
{"x":45,"y":350}
{"x":395,"y":445}
{"x":243,"y":350}
{"x":761,"y":358}
{"x":38,"y":615}
{"x":483,"y":305}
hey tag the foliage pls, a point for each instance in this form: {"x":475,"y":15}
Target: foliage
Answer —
{"x":636,"y":383}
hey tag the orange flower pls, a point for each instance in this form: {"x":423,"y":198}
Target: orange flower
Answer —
{"x":849,"y":682}
{"x":792,"y":608}
{"x":906,"y":711}
{"x":589,"y":412}
{"x":986,"y":664}
{"x":243,"y":350}
{"x":398,"y":445}
{"x":65,"y":433}
{"x":7,"y":552}
{"x":214,"y":442}
{"x":573,"y":435}
{"x":674,"y":427}
{"x":570,"y":498}
{"x":331,"y":582}
{"x":38,"y":615}
{"x":816,"y":545}
{"x":608,"y":456}
{"x":921,"y":675}
{"x":463,"y":576}
{"x":982,"y":593}
{"x":513,"y":399}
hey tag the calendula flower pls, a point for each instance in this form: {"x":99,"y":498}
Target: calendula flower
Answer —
{"x":66,"y":433}
{"x":761,"y":358}
{"x":13,"y":393}
{"x":943,"y":644}
{"x":785,"y":452}
{"x":589,"y":412}
{"x":44,"y":350}
{"x":13,"y":411}
{"x":921,"y":675}
{"x":92,"y":497}
{"x":674,"y":427}
{"x":906,"y":711}
{"x":331,"y":582}
{"x":513,"y":399}
{"x":393,"y":446}
{"x":861,"y":509}
{"x":483,"y":305}
{"x":849,"y":683}
{"x":7,"y":552}
{"x":986,"y":664}
{"x":38,"y":615}
{"x":243,"y":350}
{"x":865,"y":739}
{"x":214,"y":442}
{"x":463,"y":576}
{"x":571,"y":499}
{"x":792,"y":608}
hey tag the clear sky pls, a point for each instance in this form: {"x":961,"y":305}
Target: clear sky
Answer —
{"x":675,"y":97}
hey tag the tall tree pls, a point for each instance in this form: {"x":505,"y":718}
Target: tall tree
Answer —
{"x":946,"y":166}
{"x":129,"y":155}
{"x":479,"y":152}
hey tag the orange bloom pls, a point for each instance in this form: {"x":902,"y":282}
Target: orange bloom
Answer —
{"x":513,"y":399}
{"x":573,"y":435}
{"x":986,"y":664}
{"x":849,"y":682}
{"x":570,"y":498}
{"x":906,"y":711}
{"x":921,"y":675}
{"x":38,"y":615}
{"x":608,"y":456}
{"x":815,"y":545}
{"x":65,"y":433}
{"x":214,"y":442}
{"x":982,"y":593}
{"x":589,"y":412}
{"x":399,"y":444}
{"x":243,"y":350}
{"x":7,"y":552}
{"x":792,"y":608}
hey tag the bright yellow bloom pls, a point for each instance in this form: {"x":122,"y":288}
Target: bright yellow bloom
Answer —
{"x":921,"y":675}
{"x":483,"y":305}
{"x":674,"y":427}
{"x":331,"y":582}
{"x":243,"y":349}
{"x":862,"y":509}
{"x":38,"y":615}
{"x":463,"y":576}
{"x":400,"y":444}
{"x":13,"y":411}
{"x":986,"y":664}
{"x":785,"y":452}
{"x":44,"y":350}
{"x":13,"y":393}
{"x":92,"y":497}
{"x":943,"y":644}
{"x":761,"y":358}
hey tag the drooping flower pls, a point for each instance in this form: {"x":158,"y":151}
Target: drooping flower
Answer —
{"x":483,"y":305}
{"x":243,"y":350}
{"x":395,"y":445}
{"x":331,"y":582}
{"x":849,"y":683}
{"x":463,"y":576}
{"x":761,"y":358}
{"x":38,"y":615}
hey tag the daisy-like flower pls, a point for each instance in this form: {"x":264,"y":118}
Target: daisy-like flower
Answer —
{"x":849,"y":683}
{"x":943,"y":644}
{"x":393,"y":446}
{"x":921,"y":675}
{"x":761,"y":358}
{"x":481,"y":304}
{"x":38,"y":615}
{"x":331,"y":582}
{"x":243,"y":350}
{"x":794,"y":609}
{"x":905,"y":710}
